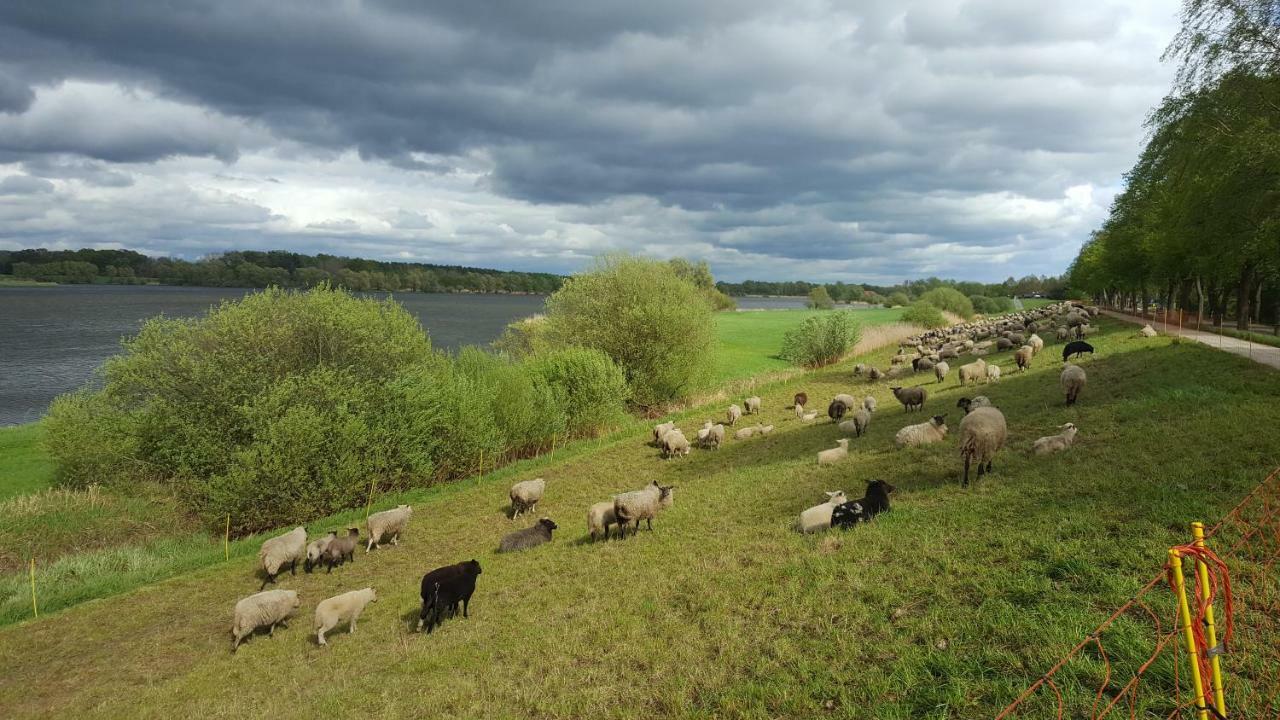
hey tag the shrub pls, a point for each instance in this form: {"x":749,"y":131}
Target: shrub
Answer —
{"x":949,"y":299}
{"x":820,"y":299}
{"x":523,"y":337}
{"x":821,"y":341}
{"x":925,"y":315}
{"x":897,"y":299}
{"x":592,"y":388}
{"x":655,"y":325}
{"x":991,"y":305}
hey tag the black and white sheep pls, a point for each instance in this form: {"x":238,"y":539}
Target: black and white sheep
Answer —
{"x":865,"y":508}
{"x":818,"y":517}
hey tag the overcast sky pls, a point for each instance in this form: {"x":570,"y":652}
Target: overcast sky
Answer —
{"x":863,"y":141}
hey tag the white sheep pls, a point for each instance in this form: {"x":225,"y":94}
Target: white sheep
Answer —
{"x":818,"y":517}
{"x":846,"y":400}
{"x":342,"y":608}
{"x":1036,"y":343}
{"x":286,"y":549}
{"x":869,"y":404}
{"x":704,"y":431}
{"x":930,"y":431}
{"x":752,"y":405}
{"x":1022,"y":357}
{"x":993,"y":372}
{"x":1055,"y":443}
{"x":734,"y":414}
{"x":265,"y":609}
{"x":804,"y":416}
{"x":714,"y":437}
{"x":315,"y":550}
{"x":1073,"y":380}
{"x":525,"y":496}
{"x":637,"y":505}
{"x":388,"y":524}
{"x":599,"y":517}
{"x":765,"y":429}
{"x":1146,"y":331}
{"x":662,"y":429}
{"x":674,"y":444}
{"x":941,"y":369}
{"x":982,"y":433}
{"x":858,"y":424}
{"x":976,"y":370}
{"x":835,"y":454}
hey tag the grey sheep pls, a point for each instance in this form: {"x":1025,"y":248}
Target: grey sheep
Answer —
{"x":599,"y":518}
{"x":662,"y":429}
{"x":752,"y":405}
{"x":940,"y":370}
{"x":342,"y":549}
{"x":858,"y":424}
{"x":530,"y":537}
{"x":869,"y":404}
{"x":637,"y":505}
{"x":265,"y":609}
{"x":388,"y":524}
{"x":525,"y":496}
{"x":286,"y":549}
{"x":982,"y":433}
{"x":338,"y":609}
{"x":713,"y":438}
{"x":1073,"y":380}
{"x":912,"y":398}
{"x":734,"y":414}
{"x":874,"y":374}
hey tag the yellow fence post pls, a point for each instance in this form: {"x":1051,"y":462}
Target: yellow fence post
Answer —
{"x":369,"y":503}
{"x":35,"y":609}
{"x":226,"y":540}
{"x":480,"y":472}
{"x":1210,"y":632}
{"x":1184,"y":617}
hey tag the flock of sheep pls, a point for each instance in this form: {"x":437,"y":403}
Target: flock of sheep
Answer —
{"x":983,"y":433}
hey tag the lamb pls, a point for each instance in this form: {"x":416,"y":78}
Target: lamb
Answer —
{"x":982,"y":433}
{"x":993,"y":373}
{"x":445,"y":587}
{"x":637,"y":505}
{"x":865,"y":508}
{"x":930,"y":431}
{"x":286,"y":549}
{"x":1077,"y":348}
{"x":940,"y":370}
{"x":1023,"y":357}
{"x":263,"y":609}
{"x":858,"y":425}
{"x":662,"y":429}
{"x":974,"y":371}
{"x":674,"y":443}
{"x":1147,"y":331}
{"x":530,"y":537}
{"x":342,"y":608}
{"x":390,"y":523}
{"x":753,"y":405}
{"x":1062,"y":333}
{"x":836,"y":410}
{"x":836,"y":454}
{"x":599,"y":518}
{"x":1036,"y":343}
{"x":818,"y":517}
{"x":342,"y":548}
{"x":804,"y":416}
{"x":1055,"y":443}
{"x":978,"y":401}
{"x":315,"y":550}
{"x":714,"y":437}
{"x":734,"y":413}
{"x":800,"y":399}
{"x":524,"y":496}
{"x":869,"y":404}
{"x":746,"y":432}
{"x":1073,"y":380}
{"x":912,"y":398}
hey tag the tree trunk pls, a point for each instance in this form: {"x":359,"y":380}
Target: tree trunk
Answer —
{"x":1200,"y":301}
{"x":1244,"y":298}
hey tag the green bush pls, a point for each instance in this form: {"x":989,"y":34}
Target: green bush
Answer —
{"x":897,"y":299}
{"x":820,"y":299}
{"x":991,"y":305}
{"x":523,"y":337}
{"x":949,"y":299}
{"x":821,"y":341}
{"x":925,"y":315}
{"x":591,"y":387}
{"x":655,"y":325}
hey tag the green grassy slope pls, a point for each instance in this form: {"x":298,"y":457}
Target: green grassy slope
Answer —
{"x":750,"y":341}
{"x":24,"y":466}
{"x":945,"y":607}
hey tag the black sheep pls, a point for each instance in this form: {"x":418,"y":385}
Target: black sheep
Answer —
{"x":836,"y":410}
{"x":865,"y":508}
{"x":800,"y":399}
{"x":445,"y":587}
{"x":1077,"y":348}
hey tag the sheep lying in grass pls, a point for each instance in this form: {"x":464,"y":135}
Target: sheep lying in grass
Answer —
{"x":874,"y":374}
{"x":804,"y":416}
{"x":525,"y":496}
{"x":858,"y":424}
{"x":818,"y":517}
{"x":660,"y":430}
{"x":940,"y":370}
{"x":637,"y":505}
{"x":1022,"y":358}
{"x":1147,"y":331}
{"x":836,"y":454}
{"x":1051,"y":444}
{"x":865,"y":508}
{"x":1073,"y":380}
{"x":388,"y":524}
{"x":982,"y":433}
{"x":443,"y":589}
{"x":975,"y":371}
{"x":286,"y":549}
{"x":978,"y":401}
{"x":599,"y":518}
{"x":912,"y":398}
{"x":859,"y":370}
{"x":265,"y":609}
{"x":752,"y":405}
{"x":734,"y":414}
{"x":930,"y":431}
{"x":530,"y":537}
{"x":342,"y":608}
{"x":315,"y":550}
{"x":342,"y":549}
{"x":674,"y":444}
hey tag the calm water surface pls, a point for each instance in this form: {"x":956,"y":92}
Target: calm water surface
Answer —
{"x":52,"y":339}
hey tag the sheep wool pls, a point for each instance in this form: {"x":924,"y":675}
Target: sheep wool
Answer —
{"x":930,"y":431}
{"x":525,"y":496}
{"x":941,"y":369}
{"x":1055,"y":443}
{"x":1073,"y":380}
{"x":859,"y":424}
{"x":982,"y":433}
{"x":836,"y":454}
{"x":342,"y":608}
{"x":662,"y":429}
{"x":599,"y":518}
{"x":975,"y":371}
{"x":316,"y":549}
{"x":637,"y":505}
{"x":734,"y":414}
{"x":388,"y":524}
{"x":993,"y":373}
{"x":1146,"y":331}
{"x":530,"y":537}
{"x":715,"y":437}
{"x":1036,"y":343}
{"x":746,"y":432}
{"x":286,"y":549}
{"x":869,"y":404}
{"x":752,"y":405}
{"x":1022,"y":358}
{"x":265,"y":609}
{"x":874,"y":374}
{"x":674,"y":444}
{"x":912,"y":398}
{"x":818,"y":517}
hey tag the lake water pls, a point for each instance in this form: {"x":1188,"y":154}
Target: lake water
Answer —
{"x":52,"y":339}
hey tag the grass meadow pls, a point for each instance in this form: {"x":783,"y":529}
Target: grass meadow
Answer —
{"x":750,"y":340}
{"x":946,"y":607}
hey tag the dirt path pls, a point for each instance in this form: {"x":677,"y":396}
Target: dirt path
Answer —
{"x":1264,"y":354}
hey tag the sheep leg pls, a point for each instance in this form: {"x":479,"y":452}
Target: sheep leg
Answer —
{"x":649,"y":522}
{"x":465,"y":602}
{"x":320,"y":636}
{"x":271,"y":631}
{"x":271,"y":578}
{"x":293,"y":566}
{"x":965,"y":482}
{"x":395,"y":539}
{"x":352,"y":627}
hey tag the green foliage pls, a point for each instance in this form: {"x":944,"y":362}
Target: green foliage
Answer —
{"x":821,"y":340}
{"x":699,"y":273}
{"x":658,"y":327}
{"x":923,"y":314}
{"x":991,"y":305}
{"x":587,"y":384}
{"x":949,"y":299}
{"x":897,"y":299}
{"x":820,"y":299}
{"x":524,"y":337}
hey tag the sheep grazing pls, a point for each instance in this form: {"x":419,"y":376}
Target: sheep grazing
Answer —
{"x":1022,"y":358}
{"x":599,"y":518}
{"x":1077,"y":348}
{"x":342,"y":548}
{"x":978,"y":401}
{"x":1051,"y":444}
{"x":930,"y":431}
{"x":865,"y":508}
{"x":674,"y":443}
{"x":975,"y":371}
{"x":859,"y":424}
{"x":752,"y":405}
{"x":869,"y":404}
{"x":637,"y":505}
{"x":286,"y":549}
{"x":1062,"y":333}
{"x":1073,"y":380}
{"x":443,"y":589}
{"x":388,"y":524}
{"x":835,"y":454}
{"x":982,"y":433}
{"x":900,"y":359}
{"x":530,"y":537}
{"x":315,"y":550}
{"x":800,"y":399}
{"x":836,"y":410}
{"x":818,"y":517}
{"x":922,"y":364}
{"x":1036,"y":343}
{"x":941,"y":369}
{"x":848,"y":400}
{"x":713,"y":438}
{"x":338,"y":609}
{"x":734,"y":414}
{"x":525,"y":496}
{"x":1003,"y":344}
{"x":993,"y":373}
{"x":912,"y":398}
{"x":874,"y":374}
{"x":662,"y":429}
{"x":263,"y":609}
{"x":1147,"y":331}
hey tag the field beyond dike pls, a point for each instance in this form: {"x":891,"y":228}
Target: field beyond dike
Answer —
{"x":946,"y":607}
